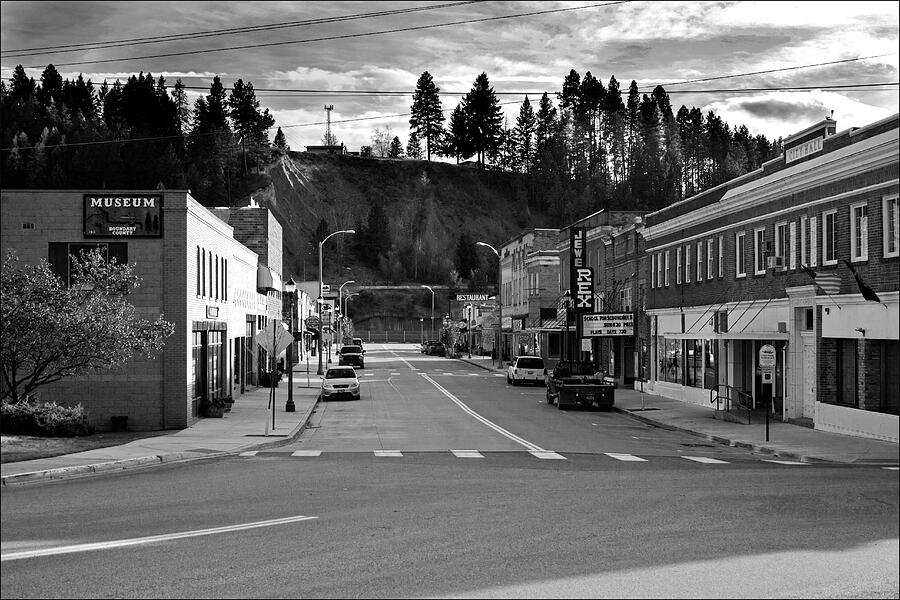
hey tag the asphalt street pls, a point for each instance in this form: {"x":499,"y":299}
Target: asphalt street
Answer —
{"x":443,"y":481}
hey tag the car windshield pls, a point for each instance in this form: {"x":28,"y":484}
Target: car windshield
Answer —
{"x":339,"y":374}
{"x":530,"y":363}
{"x":350,"y":349}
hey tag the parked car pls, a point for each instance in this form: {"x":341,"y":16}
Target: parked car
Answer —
{"x":425,"y":344}
{"x":352,"y":356}
{"x":340,"y":382}
{"x":579,"y":383}
{"x":525,"y":369}
{"x":358,"y":342}
{"x":436,"y":349}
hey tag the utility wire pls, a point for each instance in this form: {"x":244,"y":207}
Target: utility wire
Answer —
{"x":338,"y":37}
{"x":22,"y":52}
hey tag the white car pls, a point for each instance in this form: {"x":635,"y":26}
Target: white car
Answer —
{"x":525,"y":369}
{"x":340,"y":382}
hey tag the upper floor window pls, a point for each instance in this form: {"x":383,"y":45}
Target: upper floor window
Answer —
{"x":699,"y":262}
{"x":667,"y":268}
{"x":829,"y":237}
{"x":659,"y":270}
{"x":678,"y":265}
{"x":687,"y":263}
{"x":721,"y":257}
{"x":710,"y":259}
{"x":859,"y":231}
{"x":782,"y":246}
{"x":813,"y":240}
{"x":890,"y":217}
{"x":652,"y":271}
{"x":61,"y":254}
{"x":759,"y":251}
{"x":740,"y":268}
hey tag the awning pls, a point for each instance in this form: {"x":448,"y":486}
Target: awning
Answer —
{"x":264,"y":281}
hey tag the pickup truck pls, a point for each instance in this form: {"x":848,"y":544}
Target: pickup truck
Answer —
{"x":573,"y":383}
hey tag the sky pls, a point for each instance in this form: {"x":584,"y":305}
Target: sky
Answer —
{"x":721,"y":56}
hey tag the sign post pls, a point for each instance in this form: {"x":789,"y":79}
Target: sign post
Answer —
{"x":767,"y":358}
{"x":274,"y":339}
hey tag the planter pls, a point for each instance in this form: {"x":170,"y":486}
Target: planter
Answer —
{"x":214,"y":412}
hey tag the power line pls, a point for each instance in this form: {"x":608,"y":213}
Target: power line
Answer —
{"x":339,"y":37}
{"x":22,"y":52}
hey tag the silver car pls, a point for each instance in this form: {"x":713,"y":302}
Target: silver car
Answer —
{"x":525,"y":369}
{"x":340,"y":382}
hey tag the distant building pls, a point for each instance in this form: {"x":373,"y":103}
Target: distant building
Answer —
{"x":331,"y":149}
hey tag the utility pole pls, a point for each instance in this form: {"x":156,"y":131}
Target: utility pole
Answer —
{"x":328,"y":109}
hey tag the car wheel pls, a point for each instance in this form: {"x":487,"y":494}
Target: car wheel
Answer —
{"x":508,"y":380}
{"x":549,"y":398}
{"x":515,"y":382}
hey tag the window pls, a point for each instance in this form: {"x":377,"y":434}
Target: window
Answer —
{"x":710,"y":259}
{"x":813,"y":240}
{"x":740,"y":268}
{"x":759,"y":251}
{"x":829,"y":237}
{"x":226,"y":279}
{"x":781,"y":245}
{"x":216,"y":292}
{"x":699,"y":262}
{"x":803,"y":259}
{"x":652,"y":271}
{"x":693,"y":354}
{"x":846,"y":372}
{"x":203,"y":271}
{"x":710,"y":364}
{"x":791,"y":262}
{"x":859,"y":231}
{"x":668,"y":357}
{"x":721,"y":257}
{"x":198,"y":270}
{"x":890,"y":219}
{"x":667,"y":268}
{"x":890,"y":375}
{"x":60,"y":255}
{"x":687,"y":264}
{"x":678,"y":265}
{"x":659,"y":270}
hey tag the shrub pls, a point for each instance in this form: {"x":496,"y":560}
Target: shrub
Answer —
{"x":47,"y":419}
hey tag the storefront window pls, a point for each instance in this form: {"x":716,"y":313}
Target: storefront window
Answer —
{"x":846,"y":369}
{"x":710,"y":364}
{"x":669,"y":359}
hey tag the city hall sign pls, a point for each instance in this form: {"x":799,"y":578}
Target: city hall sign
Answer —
{"x":134,"y":215}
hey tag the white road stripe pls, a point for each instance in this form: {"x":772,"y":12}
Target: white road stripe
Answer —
{"x":389,"y":453}
{"x":307,"y":453}
{"x":546,"y":455}
{"x":149,"y":539}
{"x":784,"y":462}
{"x":252,"y":453}
{"x":467,"y":454}
{"x":892,"y":468}
{"x":706,"y":460}
{"x":625,"y":457}
{"x":474,"y":414}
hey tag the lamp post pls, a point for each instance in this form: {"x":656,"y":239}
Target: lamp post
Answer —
{"x":422,"y":329}
{"x":290,"y":287}
{"x":321,"y":298}
{"x":347,"y":304}
{"x":428,"y":287}
{"x":567,"y":303}
{"x":499,"y":303}
{"x":341,"y":304}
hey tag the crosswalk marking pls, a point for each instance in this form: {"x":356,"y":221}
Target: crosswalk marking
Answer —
{"x":389,"y":453}
{"x":706,"y":460}
{"x":784,"y":462}
{"x":625,"y":457}
{"x":467,"y":454}
{"x":307,"y":453}
{"x":546,"y":455}
{"x":252,"y":453}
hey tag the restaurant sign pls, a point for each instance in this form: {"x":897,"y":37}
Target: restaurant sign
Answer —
{"x":113,"y":215}
{"x":598,"y":325}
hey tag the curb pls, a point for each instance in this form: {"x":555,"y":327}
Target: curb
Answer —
{"x":147,"y":461}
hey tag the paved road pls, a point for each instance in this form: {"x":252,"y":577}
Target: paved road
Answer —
{"x":331,"y":517}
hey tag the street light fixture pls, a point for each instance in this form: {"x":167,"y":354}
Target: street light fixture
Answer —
{"x":499,"y":348}
{"x":290,"y":288}
{"x":347,"y":303}
{"x":428,"y":287}
{"x":321,"y":298}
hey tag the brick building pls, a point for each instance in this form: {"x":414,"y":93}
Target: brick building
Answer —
{"x":727,"y":282}
{"x":194,"y":270}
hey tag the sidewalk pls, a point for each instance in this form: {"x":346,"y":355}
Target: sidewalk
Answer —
{"x":240,"y":430}
{"x":787,"y":441}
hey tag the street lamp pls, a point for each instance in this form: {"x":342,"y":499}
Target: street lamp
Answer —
{"x":321,"y":297}
{"x":290,"y":288}
{"x":499,"y":302}
{"x":428,"y":287}
{"x":347,"y":303}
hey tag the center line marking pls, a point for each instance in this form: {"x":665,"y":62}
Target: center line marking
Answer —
{"x":149,"y":539}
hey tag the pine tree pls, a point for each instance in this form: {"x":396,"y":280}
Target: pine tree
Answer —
{"x":22,"y":88}
{"x":51,"y":86}
{"x":280,"y":141}
{"x":458,"y":141}
{"x":484,"y":118}
{"x":413,"y":147}
{"x":182,"y":106}
{"x":526,"y":124}
{"x":396,"y":149}
{"x":427,"y":113}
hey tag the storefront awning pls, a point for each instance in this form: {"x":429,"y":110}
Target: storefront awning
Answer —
{"x":264,"y":281}
{"x":737,"y":335}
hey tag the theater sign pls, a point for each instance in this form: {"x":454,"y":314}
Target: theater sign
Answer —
{"x":600,"y":325}
{"x":122,"y":215}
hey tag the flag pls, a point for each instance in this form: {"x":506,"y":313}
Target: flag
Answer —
{"x":867,"y":292}
{"x":830,"y":283}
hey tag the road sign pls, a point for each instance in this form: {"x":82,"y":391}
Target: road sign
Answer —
{"x":312,"y":322}
{"x":767,"y":357}
{"x":326,"y":288}
{"x":274,"y":338}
